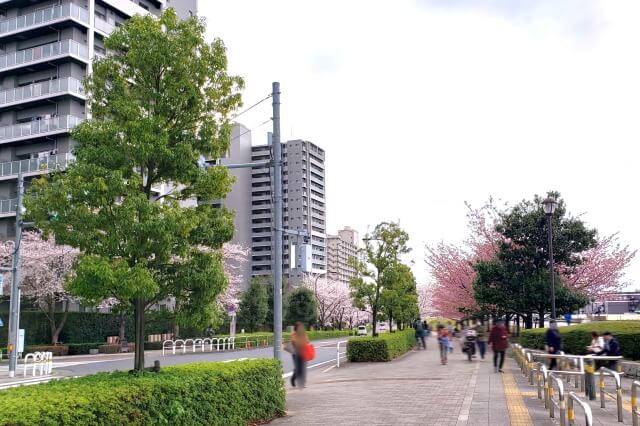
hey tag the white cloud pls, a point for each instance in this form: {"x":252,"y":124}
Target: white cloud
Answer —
{"x":421,"y":107}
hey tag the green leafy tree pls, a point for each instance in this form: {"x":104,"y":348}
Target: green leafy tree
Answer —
{"x":518,"y":280}
{"x":399,"y":299}
{"x":254,"y":305}
{"x":381,"y":252}
{"x":301,"y":306}
{"x":160,"y":102}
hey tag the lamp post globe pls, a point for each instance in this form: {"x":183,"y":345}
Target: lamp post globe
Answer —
{"x":549,"y":205}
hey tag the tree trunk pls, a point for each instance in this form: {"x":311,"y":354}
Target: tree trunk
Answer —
{"x":121,"y":333}
{"x":517,"y":325}
{"x":375,"y":323}
{"x":541,"y":319}
{"x":528,"y":320}
{"x":139,"y":338}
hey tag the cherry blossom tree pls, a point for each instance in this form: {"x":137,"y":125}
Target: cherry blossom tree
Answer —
{"x":44,"y":269}
{"x":235,"y":257}
{"x":451,"y":267}
{"x":332,"y":297}
{"x":602,"y":268}
{"x":600,"y":271}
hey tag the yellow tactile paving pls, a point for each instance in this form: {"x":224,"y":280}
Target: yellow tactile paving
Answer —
{"x":518,"y":412}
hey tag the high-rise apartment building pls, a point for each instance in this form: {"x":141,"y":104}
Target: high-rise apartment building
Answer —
{"x":340,"y":249}
{"x":46,"y":49}
{"x":304,"y":210}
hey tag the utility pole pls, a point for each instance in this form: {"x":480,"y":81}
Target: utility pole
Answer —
{"x":277,"y":225}
{"x":14,"y":315}
{"x":278,"y":230}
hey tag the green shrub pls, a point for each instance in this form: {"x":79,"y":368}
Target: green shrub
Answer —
{"x":234,"y":393}
{"x":57,"y":350}
{"x":576,"y":338}
{"x":383,"y":348}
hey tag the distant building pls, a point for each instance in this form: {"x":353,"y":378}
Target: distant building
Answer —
{"x":626,"y":302}
{"x":46,"y":49}
{"x":340,"y":249}
{"x":303,"y":190}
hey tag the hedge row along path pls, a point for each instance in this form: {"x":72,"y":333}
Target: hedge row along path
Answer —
{"x":83,"y":365}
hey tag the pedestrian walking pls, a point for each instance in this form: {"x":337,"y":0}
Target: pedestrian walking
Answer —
{"x":443,"y":343}
{"x":427,"y":329}
{"x":499,"y":341}
{"x":611,"y":348}
{"x":553,"y":342}
{"x":481,"y":336}
{"x":420,"y":333}
{"x":299,"y":342}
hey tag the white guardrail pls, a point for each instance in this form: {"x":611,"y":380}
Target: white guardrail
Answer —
{"x":204,"y":344}
{"x":42,"y":363}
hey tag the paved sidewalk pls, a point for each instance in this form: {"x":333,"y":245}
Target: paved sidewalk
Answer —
{"x":413,"y":390}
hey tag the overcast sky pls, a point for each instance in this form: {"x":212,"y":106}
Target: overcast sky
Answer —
{"x":423,"y":105}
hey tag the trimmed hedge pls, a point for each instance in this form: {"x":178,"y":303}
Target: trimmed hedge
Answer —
{"x":383,"y":348}
{"x":87,"y":327}
{"x":235,"y":393}
{"x":576,"y":338}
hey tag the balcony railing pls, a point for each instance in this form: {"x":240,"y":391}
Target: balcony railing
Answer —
{"x":40,"y":53}
{"x":50,"y":87}
{"x":43,"y":16}
{"x":104,"y":26}
{"x":36,"y":127}
{"x":36,"y":165}
{"x":8,"y":207}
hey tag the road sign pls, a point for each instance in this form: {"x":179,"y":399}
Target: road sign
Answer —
{"x":1,"y":323}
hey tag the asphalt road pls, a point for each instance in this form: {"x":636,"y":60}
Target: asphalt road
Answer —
{"x":84,"y":365}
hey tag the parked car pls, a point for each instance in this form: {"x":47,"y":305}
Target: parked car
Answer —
{"x":362,"y":330}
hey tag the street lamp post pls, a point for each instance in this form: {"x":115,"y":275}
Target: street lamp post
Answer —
{"x":549,"y":206}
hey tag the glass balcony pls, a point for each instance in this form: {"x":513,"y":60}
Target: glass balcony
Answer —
{"x":43,"y":53}
{"x":104,"y":26}
{"x":38,"y":127}
{"x":36,"y":90}
{"x":8,"y":207}
{"x":43,"y":17}
{"x":35,"y":165}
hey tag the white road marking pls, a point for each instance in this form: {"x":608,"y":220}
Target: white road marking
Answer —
{"x":285,"y":375}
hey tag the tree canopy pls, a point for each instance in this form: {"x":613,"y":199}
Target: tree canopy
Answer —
{"x":379,"y":261}
{"x":136,"y":202}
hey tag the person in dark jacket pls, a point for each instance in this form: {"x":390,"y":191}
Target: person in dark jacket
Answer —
{"x":420,"y":333}
{"x":611,"y":348}
{"x":553,"y":342}
{"x":499,"y":342}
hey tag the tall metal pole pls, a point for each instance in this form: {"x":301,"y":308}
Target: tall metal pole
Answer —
{"x":551,"y":268}
{"x":277,"y":226}
{"x":14,"y":315}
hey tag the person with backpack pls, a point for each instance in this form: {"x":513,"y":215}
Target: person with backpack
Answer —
{"x":420,"y":333}
{"x":499,"y":342}
{"x":299,"y":343}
